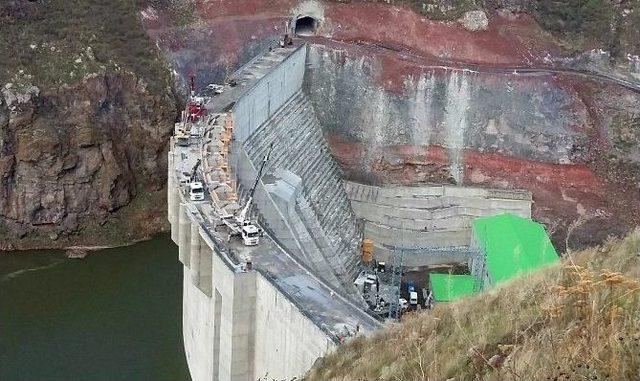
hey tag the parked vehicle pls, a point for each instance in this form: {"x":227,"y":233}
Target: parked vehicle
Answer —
{"x":196,"y":191}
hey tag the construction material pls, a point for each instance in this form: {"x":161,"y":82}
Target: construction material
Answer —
{"x":367,"y":250}
{"x":511,"y":246}
{"x":448,"y":287}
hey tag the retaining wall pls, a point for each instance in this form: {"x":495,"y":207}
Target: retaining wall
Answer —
{"x":429,"y":216}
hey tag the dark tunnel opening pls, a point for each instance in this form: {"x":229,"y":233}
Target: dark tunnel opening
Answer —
{"x":306,"y":26}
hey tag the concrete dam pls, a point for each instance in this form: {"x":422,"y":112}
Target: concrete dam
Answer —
{"x":272,"y":309}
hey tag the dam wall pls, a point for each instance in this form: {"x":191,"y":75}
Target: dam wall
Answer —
{"x":301,"y":199}
{"x":273,"y":90}
{"x":248,"y":311}
{"x":237,"y":324}
{"x":434,"y":218}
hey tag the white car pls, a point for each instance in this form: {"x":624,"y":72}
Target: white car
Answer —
{"x":217,"y":89}
{"x":196,"y":191}
{"x":404,"y":305}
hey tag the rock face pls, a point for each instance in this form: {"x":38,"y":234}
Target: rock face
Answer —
{"x":474,"y":21}
{"x":70,"y":157}
{"x":567,"y":139}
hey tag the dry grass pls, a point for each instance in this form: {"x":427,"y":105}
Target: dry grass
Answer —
{"x":576,"y":321}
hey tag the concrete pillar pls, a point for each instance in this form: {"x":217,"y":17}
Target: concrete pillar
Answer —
{"x":206,"y":270}
{"x":175,"y":212}
{"x":217,"y":320}
{"x":184,"y":246}
{"x":170,"y":185}
{"x":244,"y":327}
{"x":194,"y":261}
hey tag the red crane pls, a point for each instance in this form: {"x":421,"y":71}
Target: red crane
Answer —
{"x":195,"y":106}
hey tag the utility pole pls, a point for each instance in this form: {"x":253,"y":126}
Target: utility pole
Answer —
{"x":396,"y":282}
{"x":396,"y":278}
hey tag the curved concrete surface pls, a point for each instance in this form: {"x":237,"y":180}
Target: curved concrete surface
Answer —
{"x":276,"y":317}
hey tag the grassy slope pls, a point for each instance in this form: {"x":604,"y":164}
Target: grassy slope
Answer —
{"x":578,"y":321}
{"x":50,"y":43}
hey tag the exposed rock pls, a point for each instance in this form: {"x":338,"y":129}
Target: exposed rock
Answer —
{"x":572,"y":142}
{"x":474,"y":21}
{"x":13,"y":97}
{"x":497,"y":360}
{"x":72,"y":156}
{"x":76,"y":253}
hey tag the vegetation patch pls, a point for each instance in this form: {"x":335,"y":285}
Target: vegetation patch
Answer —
{"x":626,"y":131}
{"x":576,"y":321}
{"x":51,"y":43}
{"x":610,"y":25}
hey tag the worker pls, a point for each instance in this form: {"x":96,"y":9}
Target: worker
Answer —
{"x":429,"y":302}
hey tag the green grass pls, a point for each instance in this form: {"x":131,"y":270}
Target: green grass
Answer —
{"x":55,"y":42}
{"x":575,"y":321}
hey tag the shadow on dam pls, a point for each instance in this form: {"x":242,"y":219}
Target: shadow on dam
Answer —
{"x":115,"y":315}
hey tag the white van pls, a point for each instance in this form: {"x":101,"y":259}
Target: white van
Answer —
{"x":413,"y":298}
{"x":196,"y":191}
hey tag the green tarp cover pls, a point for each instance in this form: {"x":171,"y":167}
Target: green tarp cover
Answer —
{"x":446,"y":288}
{"x":513,"y":246}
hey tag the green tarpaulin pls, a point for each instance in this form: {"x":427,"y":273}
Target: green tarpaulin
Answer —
{"x":512,"y":246}
{"x":446,"y":288}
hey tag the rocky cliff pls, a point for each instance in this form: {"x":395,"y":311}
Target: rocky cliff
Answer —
{"x":571,"y":140}
{"x":71,"y":157}
{"x":86,"y":110}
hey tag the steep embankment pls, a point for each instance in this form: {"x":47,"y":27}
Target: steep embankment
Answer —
{"x":503,"y":104}
{"x":577,"y":321}
{"x":86,"y":109}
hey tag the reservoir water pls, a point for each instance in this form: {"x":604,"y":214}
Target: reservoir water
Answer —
{"x":115,"y":315}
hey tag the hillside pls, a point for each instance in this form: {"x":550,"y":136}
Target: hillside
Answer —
{"x":579,"y":24}
{"x":86,"y":108}
{"x":580,"y":321}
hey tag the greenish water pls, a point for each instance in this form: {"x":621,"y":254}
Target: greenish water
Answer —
{"x":115,"y":315}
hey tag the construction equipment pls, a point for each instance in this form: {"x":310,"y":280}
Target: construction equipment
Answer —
{"x":395,"y":306}
{"x":182,"y":139}
{"x":240,"y":225}
{"x":196,"y":191}
{"x":396,"y":278}
{"x":367,"y":250}
{"x":194,"y":171}
{"x":241,"y":218}
{"x":195,"y":106}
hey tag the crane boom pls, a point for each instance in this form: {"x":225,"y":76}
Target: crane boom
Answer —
{"x":193,"y":171}
{"x":243,"y":214}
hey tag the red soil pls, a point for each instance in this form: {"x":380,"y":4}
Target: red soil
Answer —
{"x":509,"y":40}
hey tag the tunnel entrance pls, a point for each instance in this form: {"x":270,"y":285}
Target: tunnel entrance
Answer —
{"x":306,"y":26}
